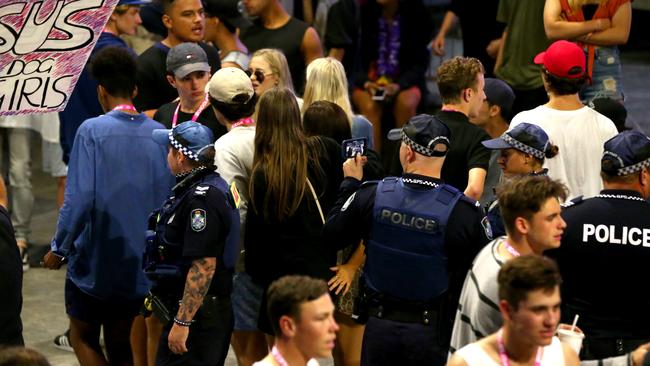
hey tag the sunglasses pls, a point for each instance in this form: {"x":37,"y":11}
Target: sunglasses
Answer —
{"x":259,"y":74}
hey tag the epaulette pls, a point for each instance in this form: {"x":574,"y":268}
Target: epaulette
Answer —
{"x":201,"y":190}
{"x":470,"y":200}
{"x":573,"y":202}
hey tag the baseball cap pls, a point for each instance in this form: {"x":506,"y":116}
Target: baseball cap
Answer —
{"x":192,"y":139}
{"x":626,"y":153}
{"x":186,"y":58}
{"x":422,"y":133}
{"x":228,"y":11}
{"x":499,"y":93}
{"x":563,"y":59}
{"x":133,"y":2}
{"x":525,"y":137}
{"x":230,"y":85}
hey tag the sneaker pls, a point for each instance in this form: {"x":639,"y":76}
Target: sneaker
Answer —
{"x":24,"y":258}
{"x":62,"y":341}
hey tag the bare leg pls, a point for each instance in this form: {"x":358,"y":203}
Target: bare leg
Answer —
{"x":154,"y":330}
{"x":117,"y":339}
{"x":372,"y":110}
{"x":84,"y":338}
{"x":249,"y":346}
{"x":406,"y":105}
{"x":139,"y":341}
{"x":348,"y":341}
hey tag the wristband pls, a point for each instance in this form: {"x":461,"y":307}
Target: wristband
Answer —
{"x":183,"y":323}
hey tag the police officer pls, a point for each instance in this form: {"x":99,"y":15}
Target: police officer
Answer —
{"x":191,"y":255}
{"x":421,"y":237}
{"x":605,"y":252}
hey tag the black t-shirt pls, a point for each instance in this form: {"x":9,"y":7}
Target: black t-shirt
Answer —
{"x":11,"y":284}
{"x":153,"y":88}
{"x":165,"y":115}
{"x":202,"y":223}
{"x":466,"y":151}
{"x":287,"y":38}
{"x":343,"y":32}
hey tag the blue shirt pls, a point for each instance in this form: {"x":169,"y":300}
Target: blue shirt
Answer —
{"x":117,"y":176}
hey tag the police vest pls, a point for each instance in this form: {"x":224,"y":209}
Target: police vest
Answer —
{"x":164,"y":258}
{"x":406,"y":258}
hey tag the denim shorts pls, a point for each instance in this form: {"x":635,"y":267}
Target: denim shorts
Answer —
{"x":246,"y":298}
{"x":606,"y":78}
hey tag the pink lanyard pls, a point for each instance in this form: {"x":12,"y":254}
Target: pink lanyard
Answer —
{"x":504,"y":356}
{"x":196,"y":114}
{"x":125,"y":107}
{"x":511,"y":250}
{"x":243,"y":122}
{"x":278,"y":357}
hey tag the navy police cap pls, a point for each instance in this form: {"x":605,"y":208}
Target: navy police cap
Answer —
{"x":422,"y":133}
{"x":626,"y":153}
{"x":190,"y":138}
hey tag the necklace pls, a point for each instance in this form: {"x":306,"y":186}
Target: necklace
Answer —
{"x":511,"y":249}
{"x":196,"y":114}
{"x":125,"y":107}
{"x":278,"y":357}
{"x":243,"y":122}
{"x":505,"y":361}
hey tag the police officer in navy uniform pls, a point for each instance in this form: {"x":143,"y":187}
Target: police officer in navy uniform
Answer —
{"x":421,"y":237}
{"x":605,"y":253}
{"x":191,"y":255}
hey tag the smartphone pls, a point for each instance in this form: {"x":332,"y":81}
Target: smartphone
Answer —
{"x":380,"y":94}
{"x":353,"y":147}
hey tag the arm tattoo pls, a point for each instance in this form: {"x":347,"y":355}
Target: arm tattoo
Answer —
{"x":196,"y":286}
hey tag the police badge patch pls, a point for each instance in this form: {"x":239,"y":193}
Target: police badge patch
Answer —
{"x":197,"y":219}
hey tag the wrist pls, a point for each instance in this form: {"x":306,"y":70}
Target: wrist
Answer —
{"x":182,"y":323}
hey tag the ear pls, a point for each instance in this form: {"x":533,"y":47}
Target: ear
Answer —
{"x":171,"y":80}
{"x":495,"y":110}
{"x":135,"y":92}
{"x":506,"y":310}
{"x":467,"y":94}
{"x":522,"y":226}
{"x":167,"y":21}
{"x":287,"y":326}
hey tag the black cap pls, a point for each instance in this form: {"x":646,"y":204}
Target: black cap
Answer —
{"x":499,"y":93}
{"x":422,"y":133}
{"x":626,"y":153}
{"x":228,"y":11}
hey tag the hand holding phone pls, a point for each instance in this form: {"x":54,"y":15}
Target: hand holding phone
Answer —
{"x":380,"y":94}
{"x":354,"y":147}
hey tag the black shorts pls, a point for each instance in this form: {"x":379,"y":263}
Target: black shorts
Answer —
{"x":92,"y":310}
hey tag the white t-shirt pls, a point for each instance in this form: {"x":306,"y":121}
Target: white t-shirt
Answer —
{"x":475,"y":355}
{"x":267,"y":361}
{"x":580,"y":135}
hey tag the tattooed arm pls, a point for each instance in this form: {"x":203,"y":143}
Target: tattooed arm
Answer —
{"x":196,"y":286}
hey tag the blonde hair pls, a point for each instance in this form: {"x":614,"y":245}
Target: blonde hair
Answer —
{"x":326,"y":80}
{"x":279,"y":66}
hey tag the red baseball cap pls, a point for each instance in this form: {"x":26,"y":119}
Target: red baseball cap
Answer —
{"x":563,"y":59}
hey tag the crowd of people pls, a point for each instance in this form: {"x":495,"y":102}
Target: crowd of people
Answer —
{"x":238,"y":185}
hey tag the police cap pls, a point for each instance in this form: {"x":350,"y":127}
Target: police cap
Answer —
{"x":626,"y":153}
{"x":422,"y":133}
{"x":192,"y":139}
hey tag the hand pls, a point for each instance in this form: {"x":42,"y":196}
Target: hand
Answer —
{"x":353,"y":167}
{"x":438,"y":45}
{"x":603,"y":24}
{"x":392,"y":89}
{"x":492,"y":48}
{"x":639,"y":354}
{"x":343,"y":278}
{"x":52,"y":261}
{"x":371,"y":87}
{"x":177,"y":338}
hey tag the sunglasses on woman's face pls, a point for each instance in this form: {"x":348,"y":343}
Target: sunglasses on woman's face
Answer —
{"x":259,"y":74}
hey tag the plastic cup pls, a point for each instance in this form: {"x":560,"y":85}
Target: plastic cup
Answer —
{"x":571,"y":338}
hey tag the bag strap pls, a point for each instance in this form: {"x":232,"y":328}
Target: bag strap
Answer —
{"x":313,"y":192}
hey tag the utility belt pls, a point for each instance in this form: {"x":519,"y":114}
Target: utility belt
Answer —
{"x":381,"y":306}
{"x":165,"y":310}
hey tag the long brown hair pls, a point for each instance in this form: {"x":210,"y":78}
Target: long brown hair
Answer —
{"x":283,"y":154}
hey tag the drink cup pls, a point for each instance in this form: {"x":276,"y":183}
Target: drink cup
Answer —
{"x":572,"y":338}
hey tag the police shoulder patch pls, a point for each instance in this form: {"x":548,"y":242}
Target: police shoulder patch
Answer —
{"x":198,"y":219}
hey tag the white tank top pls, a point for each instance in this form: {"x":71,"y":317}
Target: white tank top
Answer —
{"x":475,"y":355}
